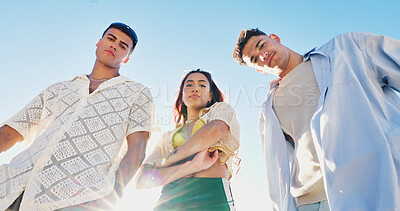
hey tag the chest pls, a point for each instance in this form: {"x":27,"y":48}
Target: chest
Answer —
{"x":93,"y":85}
{"x":107,"y":107}
{"x":185,"y":133}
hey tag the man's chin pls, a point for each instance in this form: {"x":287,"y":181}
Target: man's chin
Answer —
{"x":267,"y":70}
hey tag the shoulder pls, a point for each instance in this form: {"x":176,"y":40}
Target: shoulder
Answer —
{"x":135,"y":91}
{"x":349,"y":38}
{"x":354,"y":36}
{"x":219,"y":106}
{"x":346,"y":42}
{"x":219,"y":111}
{"x":137,"y":87}
{"x":223,"y":106}
{"x":56,"y":87}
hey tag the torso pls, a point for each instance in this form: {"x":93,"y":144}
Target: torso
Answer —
{"x":295,"y":102}
{"x":216,"y":170}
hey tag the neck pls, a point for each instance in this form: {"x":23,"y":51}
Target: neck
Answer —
{"x":294,"y":60}
{"x":101,"y":71}
{"x":192,"y":114}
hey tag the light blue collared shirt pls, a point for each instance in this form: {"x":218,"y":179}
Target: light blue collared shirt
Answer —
{"x":355,"y":129}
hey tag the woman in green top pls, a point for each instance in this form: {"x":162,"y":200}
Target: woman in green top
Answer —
{"x":193,"y":162}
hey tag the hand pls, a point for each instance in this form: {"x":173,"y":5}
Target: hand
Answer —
{"x":204,"y":159}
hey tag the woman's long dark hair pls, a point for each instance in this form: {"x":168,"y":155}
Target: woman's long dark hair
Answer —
{"x":180,"y":110}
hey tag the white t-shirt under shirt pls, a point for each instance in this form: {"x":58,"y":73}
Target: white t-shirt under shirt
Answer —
{"x":295,"y":101}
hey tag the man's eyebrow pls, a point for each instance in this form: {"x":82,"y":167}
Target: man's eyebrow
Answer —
{"x":189,"y":81}
{"x":112,"y":36}
{"x":127,"y":46}
{"x":124,"y":43}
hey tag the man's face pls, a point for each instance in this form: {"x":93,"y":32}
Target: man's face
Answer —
{"x":113,"y":48}
{"x":266,"y":54}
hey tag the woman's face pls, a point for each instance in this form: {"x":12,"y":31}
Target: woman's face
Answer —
{"x":196,"y":91}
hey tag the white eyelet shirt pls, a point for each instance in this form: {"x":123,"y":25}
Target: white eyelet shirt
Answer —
{"x":78,"y":141}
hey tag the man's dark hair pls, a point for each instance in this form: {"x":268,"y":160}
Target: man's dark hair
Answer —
{"x":125,"y":29}
{"x":244,"y":36}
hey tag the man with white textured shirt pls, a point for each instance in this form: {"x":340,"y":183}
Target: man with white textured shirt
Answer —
{"x":88,"y":134}
{"x":330,"y":125}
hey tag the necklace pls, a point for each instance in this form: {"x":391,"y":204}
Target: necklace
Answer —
{"x":94,"y":80}
{"x":192,"y":120}
{"x":97,"y":80}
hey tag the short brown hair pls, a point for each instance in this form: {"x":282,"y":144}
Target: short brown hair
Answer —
{"x":244,"y":36}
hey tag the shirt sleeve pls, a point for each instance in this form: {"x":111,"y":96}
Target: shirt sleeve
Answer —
{"x":26,"y":121}
{"x":383,"y":54}
{"x":142,"y":116}
{"x":230,"y":142}
{"x":223,"y":111}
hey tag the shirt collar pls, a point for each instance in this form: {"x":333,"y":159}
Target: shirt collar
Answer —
{"x":307,"y":55}
{"x":311,"y":52}
{"x":109,"y":83}
{"x":321,"y":67}
{"x":118,"y":79}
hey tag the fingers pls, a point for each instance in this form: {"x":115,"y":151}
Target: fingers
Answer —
{"x":204,"y":152}
{"x":215,"y":156}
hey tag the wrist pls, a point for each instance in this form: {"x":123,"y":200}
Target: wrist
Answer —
{"x":190,"y":167}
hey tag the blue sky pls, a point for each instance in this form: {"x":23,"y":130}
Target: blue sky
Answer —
{"x":46,"y":41}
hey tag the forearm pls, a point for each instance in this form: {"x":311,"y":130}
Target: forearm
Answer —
{"x":128,"y":167}
{"x":203,"y":139}
{"x":8,"y":138}
{"x":150,"y":176}
{"x":132,"y":160}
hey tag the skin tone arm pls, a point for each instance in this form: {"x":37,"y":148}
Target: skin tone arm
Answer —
{"x":8,"y":138}
{"x":134,"y":157}
{"x":132,"y":160}
{"x":150,"y":176}
{"x":204,"y":138}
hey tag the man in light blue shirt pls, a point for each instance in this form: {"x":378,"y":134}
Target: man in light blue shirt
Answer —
{"x":344,"y":149}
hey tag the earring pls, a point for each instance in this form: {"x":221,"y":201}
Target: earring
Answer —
{"x":97,"y":44}
{"x":126,"y":60}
